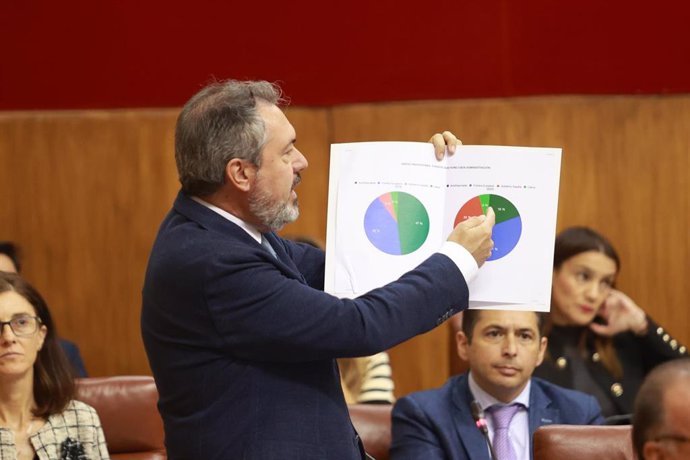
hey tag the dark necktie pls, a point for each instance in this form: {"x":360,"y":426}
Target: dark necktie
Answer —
{"x":267,"y":245}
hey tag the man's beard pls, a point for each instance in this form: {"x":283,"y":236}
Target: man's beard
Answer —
{"x":270,"y":212}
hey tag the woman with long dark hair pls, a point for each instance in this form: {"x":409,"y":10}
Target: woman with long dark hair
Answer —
{"x":39,"y":418}
{"x":600,"y":341}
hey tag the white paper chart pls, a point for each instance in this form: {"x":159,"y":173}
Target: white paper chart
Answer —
{"x":392,"y":204}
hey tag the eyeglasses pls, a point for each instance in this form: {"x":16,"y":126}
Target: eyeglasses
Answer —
{"x":22,"y":325}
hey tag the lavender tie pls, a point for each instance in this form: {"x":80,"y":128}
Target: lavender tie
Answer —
{"x":501,"y":417}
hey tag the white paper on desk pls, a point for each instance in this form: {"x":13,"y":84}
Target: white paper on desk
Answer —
{"x":392,"y":204}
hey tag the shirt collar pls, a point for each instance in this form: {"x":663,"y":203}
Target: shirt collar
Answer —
{"x":486,"y":400}
{"x":253,"y":232}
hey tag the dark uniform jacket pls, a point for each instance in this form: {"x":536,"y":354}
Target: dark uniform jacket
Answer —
{"x":637,"y":354}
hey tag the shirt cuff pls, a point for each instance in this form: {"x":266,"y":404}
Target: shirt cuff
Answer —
{"x":462,"y":258}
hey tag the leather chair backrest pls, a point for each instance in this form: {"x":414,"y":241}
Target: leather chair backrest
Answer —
{"x":126,"y":406}
{"x":373,"y":423}
{"x":575,"y":442}
{"x":133,"y":428}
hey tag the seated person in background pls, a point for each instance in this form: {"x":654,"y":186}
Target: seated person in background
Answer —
{"x":502,"y":348}
{"x":367,"y":380}
{"x":10,"y":263}
{"x":38,"y":416}
{"x":600,"y":341}
{"x":9,"y":257}
{"x":661,"y":421}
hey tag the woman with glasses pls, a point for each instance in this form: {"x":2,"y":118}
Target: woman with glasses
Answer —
{"x":600,"y":341}
{"x":39,"y":419}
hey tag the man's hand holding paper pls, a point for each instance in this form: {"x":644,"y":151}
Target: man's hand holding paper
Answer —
{"x":474,"y":234}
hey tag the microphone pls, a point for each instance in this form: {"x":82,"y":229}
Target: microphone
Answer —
{"x":480,"y":421}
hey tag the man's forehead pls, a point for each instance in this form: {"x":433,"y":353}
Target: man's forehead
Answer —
{"x":508,"y":319}
{"x":276,"y":123}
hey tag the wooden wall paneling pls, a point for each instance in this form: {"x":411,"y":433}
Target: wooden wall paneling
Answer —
{"x":633,"y":169}
{"x":94,"y":187}
{"x":625,"y":172}
{"x":85,"y":193}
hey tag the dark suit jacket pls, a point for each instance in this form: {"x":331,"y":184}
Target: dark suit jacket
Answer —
{"x":242,"y":344}
{"x":637,"y":356}
{"x":71,"y":350}
{"x":438,"y":424}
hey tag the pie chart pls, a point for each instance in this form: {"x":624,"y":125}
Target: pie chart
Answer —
{"x":396,"y":223}
{"x":508,"y":228}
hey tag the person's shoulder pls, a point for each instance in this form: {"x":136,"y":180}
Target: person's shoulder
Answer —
{"x":68,"y":346}
{"x":562,"y":396}
{"x":378,"y":362}
{"x":573,"y":407}
{"x":434,"y":395}
{"x":433,"y":407}
{"x":81,"y":413}
{"x":192,"y":245}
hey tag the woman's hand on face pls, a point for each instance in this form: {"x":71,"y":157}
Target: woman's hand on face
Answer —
{"x":620,"y":314}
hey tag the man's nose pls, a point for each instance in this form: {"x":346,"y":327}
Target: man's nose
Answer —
{"x":301,"y":162}
{"x":510,"y":345}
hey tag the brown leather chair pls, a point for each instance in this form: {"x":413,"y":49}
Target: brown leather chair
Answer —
{"x":373,"y":423}
{"x":575,"y":442}
{"x":133,"y":428}
{"x":127,"y":408}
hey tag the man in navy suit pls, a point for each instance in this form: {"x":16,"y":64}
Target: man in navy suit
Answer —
{"x":240,"y":336}
{"x":502,"y":349}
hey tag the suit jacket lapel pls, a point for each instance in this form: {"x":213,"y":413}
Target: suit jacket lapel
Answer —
{"x":470,"y":437}
{"x":540,"y":411}
{"x":283,"y":255}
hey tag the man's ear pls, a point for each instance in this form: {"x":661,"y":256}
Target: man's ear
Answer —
{"x":241,"y":173}
{"x":543,"y":342}
{"x":651,"y":450}
{"x":462,"y":345}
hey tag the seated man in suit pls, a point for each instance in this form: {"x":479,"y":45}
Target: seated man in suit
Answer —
{"x":661,"y":421}
{"x":502,"y":348}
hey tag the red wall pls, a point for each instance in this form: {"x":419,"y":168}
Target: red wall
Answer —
{"x":127,"y":53}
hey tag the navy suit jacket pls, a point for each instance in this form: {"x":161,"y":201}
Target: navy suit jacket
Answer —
{"x":438,"y":424}
{"x":71,"y":350}
{"x":243,"y":345}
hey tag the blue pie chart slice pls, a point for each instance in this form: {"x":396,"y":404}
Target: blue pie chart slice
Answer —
{"x":506,"y":235}
{"x":381,"y":228}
